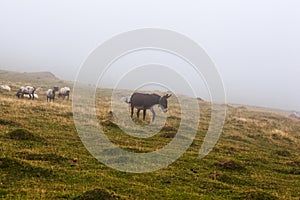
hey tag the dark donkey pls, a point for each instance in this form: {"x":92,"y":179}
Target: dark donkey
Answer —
{"x":147,"y":101}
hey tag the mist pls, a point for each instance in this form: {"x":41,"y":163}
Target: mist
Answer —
{"x":254,"y":45}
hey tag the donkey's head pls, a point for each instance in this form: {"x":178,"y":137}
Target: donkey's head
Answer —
{"x":163,"y":102}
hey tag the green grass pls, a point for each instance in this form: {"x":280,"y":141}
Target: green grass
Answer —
{"x":42,"y":157}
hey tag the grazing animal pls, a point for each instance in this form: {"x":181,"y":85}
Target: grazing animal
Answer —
{"x":64,"y":92}
{"x":51,"y":94}
{"x":5,"y":87}
{"x":28,"y":96}
{"x":295,"y":115}
{"x":26,"y":90}
{"x":147,"y":101}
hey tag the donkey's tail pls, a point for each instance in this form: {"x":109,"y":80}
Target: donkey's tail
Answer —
{"x":126,"y":99}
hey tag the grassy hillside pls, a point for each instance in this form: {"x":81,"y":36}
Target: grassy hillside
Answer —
{"x":35,"y":79}
{"x":42,"y":157}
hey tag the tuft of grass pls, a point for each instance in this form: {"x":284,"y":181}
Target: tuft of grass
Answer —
{"x":283,"y":152}
{"x":99,"y":194}
{"x":258,"y":195}
{"x":23,"y":134}
{"x":52,"y":158}
{"x":4,"y":122}
{"x":16,"y":170}
{"x":108,"y":123}
{"x":229,"y":165}
{"x":168,"y":131}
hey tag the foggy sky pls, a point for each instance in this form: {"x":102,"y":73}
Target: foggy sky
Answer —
{"x":254,"y":44}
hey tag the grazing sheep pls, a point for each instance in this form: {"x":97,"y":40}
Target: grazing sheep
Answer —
{"x":26,"y":90}
{"x":27,"y":96}
{"x":64,"y":92}
{"x":51,"y":94}
{"x":5,"y":87}
{"x":295,"y":115}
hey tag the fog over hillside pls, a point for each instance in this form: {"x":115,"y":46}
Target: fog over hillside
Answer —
{"x":254,"y":44}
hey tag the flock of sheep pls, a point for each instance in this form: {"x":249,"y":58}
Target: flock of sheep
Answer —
{"x":29,"y":92}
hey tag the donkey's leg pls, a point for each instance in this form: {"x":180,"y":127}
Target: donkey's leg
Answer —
{"x":132,"y":108}
{"x":153,"y":113}
{"x":138,"y":113}
{"x":144,"y":114}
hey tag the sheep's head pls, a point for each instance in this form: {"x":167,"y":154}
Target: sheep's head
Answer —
{"x":55,"y":88}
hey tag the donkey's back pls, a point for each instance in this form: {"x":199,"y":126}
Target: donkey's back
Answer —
{"x":144,"y":101}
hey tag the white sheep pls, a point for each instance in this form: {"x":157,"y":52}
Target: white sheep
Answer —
{"x":26,"y":90}
{"x":64,"y":92}
{"x":28,"y":96}
{"x":51,"y":94}
{"x":5,"y":87}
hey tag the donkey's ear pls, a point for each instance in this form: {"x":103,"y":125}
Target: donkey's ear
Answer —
{"x":168,"y":95}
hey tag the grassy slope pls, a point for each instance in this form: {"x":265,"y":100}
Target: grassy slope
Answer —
{"x":257,"y":157}
{"x":36,"y":79}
